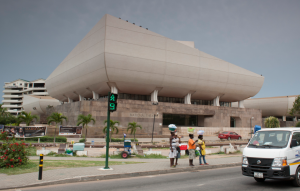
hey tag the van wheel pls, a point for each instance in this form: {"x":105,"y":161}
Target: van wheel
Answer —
{"x":259,"y":179}
{"x":239,"y":138}
{"x":296,"y":181}
{"x":228,"y":138}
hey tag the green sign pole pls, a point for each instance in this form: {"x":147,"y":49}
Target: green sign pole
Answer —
{"x":107,"y":133}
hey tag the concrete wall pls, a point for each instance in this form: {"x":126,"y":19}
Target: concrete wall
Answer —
{"x":142,"y":113}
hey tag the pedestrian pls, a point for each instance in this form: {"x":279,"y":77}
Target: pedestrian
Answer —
{"x":173,"y":151}
{"x":178,"y":141}
{"x":202,"y":150}
{"x":192,"y":147}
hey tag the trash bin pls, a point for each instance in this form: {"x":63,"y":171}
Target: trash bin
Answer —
{"x":69,"y":151}
{"x":257,"y":128}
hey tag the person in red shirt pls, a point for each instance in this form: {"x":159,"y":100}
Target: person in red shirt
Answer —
{"x":192,"y":148}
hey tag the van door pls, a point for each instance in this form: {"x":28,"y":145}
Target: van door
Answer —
{"x":293,"y":154}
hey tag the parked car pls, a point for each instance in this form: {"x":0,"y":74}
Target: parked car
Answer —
{"x":229,"y":135}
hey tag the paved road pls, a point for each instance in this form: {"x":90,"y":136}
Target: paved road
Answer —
{"x":219,"y":179}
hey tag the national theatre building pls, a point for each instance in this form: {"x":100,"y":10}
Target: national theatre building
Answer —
{"x":152,"y":75}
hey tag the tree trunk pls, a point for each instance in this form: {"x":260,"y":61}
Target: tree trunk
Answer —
{"x":55,"y":133}
{"x":134,"y":137}
{"x":85,"y":134}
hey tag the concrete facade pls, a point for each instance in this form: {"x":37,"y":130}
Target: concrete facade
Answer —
{"x":119,"y":55}
{"x":142,"y":112}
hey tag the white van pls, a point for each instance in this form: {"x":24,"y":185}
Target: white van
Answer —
{"x":273,"y":153}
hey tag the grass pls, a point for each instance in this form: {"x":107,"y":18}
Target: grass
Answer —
{"x":218,"y":153}
{"x":31,"y":150}
{"x":32,"y":165}
{"x":151,"y":156}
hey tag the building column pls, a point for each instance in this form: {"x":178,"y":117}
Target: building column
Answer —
{"x":283,"y":118}
{"x":81,"y":98}
{"x":154,"y":96}
{"x":95,"y":95}
{"x":295,"y":118}
{"x":114,"y":90}
{"x":217,"y":101}
{"x":241,"y":104}
{"x":187,"y":98}
{"x":70,"y":100}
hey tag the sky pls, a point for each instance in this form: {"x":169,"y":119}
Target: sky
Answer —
{"x":262,"y":36}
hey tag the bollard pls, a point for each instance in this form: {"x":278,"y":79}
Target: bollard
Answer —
{"x":41,"y":167}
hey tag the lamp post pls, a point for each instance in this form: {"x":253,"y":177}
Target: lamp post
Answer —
{"x":153,"y":126}
{"x":251,"y":125}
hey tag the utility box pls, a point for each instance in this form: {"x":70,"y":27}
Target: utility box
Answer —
{"x":78,"y":147}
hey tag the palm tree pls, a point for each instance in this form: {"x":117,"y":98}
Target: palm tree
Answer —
{"x":84,"y":121}
{"x":56,"y":118}
{"x":271,"y":122}
{"x":3,"y":111}
{"x":27,"y":117}
{"x":112,"y":126}
{"x":133,"y":127}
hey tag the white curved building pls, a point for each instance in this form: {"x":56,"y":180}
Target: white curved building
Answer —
{"x":272,"y":106}
{"x":121,"y":57}
{"x":37,"y":105}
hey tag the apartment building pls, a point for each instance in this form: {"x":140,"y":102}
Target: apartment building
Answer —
{"x":15,"y":91}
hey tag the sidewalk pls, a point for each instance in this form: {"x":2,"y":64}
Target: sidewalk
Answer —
{"x":149,"y":167}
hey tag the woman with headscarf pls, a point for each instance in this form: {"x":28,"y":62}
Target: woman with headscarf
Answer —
{"x":177,"y":140}
{"x":202,"y":150}
{"x":173,"y":151}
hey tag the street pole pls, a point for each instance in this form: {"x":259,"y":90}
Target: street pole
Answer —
{"x":107,"y":133}
{"x":153,"y":127}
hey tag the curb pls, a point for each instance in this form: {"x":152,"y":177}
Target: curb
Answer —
{"x":77,"y":179}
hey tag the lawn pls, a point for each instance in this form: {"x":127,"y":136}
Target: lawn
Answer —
{"x":32,"y":165}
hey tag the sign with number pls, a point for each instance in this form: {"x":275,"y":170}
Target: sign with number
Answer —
{"x":113,"y":102}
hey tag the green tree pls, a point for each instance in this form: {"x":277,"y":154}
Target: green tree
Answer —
{"x":56,"y":118}
{"x":298,"y":124}
{"x":296,"y":107}
{"x":271,"y":122}
{"x":133,"y":127}
{"x":27,"y":117}
{"x":112,"y":126}
{"x":3,"y":111}
{"x":84,"y":121}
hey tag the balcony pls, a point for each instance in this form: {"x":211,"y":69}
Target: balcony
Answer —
{"x":12,"y":96}
{"x":12,"y":101}
{"x":12,"y":91}
{"x":39,"y":93}
{"x":12,"y":106}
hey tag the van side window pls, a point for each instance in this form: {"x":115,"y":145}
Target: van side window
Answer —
{"x":296,"y":136}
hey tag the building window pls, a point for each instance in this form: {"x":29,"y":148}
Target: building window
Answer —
{"x":170,"y":99}
{"x":180,"y":120}
{"x":134,"y":97}
{"x":201,"y":102}
{"x":232,"y":122}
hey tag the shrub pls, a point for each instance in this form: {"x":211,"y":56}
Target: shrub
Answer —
{"x":122,"y":140}
{"x":298,"y":124}
{"x":272,"y":122}
{"x":81,"y":140}
{"x":12,"y":154}
{"x":46,"y":139}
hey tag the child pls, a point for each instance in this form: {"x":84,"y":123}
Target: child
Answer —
{"x":202,"y":150}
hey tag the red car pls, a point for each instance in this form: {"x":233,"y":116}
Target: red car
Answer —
{"x":229,"y":135}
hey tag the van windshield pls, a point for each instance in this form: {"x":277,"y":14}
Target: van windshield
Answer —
{"x":270,"y":139}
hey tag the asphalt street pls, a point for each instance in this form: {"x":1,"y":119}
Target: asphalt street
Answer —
{"x":223,"y":179}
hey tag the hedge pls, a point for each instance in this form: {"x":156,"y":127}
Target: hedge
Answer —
{"x":121,"y":140}
{"x":46,"y":139}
